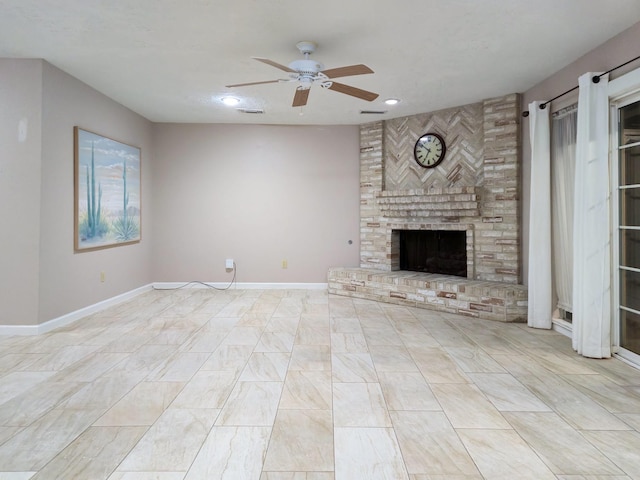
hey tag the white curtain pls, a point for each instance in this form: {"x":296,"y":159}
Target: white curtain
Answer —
{"x":563,"y":166}
{"x":591,"y":253}
{"x":540,"y":303}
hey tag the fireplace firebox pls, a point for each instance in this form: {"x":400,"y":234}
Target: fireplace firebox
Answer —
{"x":434,"y":251}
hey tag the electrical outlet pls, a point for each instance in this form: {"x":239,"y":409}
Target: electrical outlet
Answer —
{"x":228,"y":264}
{"x":102,"y":277}
{"x":284,"y":264}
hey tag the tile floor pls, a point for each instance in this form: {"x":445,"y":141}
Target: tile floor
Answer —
{"x":298,"y":385}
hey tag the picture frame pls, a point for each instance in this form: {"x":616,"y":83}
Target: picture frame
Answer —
{"x":107,"y":192}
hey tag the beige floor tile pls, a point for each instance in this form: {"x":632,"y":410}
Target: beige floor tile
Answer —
{"x":251,"y":404}
{"x":353,"y":367}
{"x":307,"y":390}
{"x":243,"y":336}
{"x":348,"y":343}
{"x":283,"y":325}
{"x":381,"y":335}
{"x":62,"y":358}
{"x":16,"y":475}
{"x":302,"y":440}
{"x":310,"y":357}
{"x":564,"y":450}
{"x":228,"y":358}
{"x":94,"y":454}
{"x":172,"y":442}
{"x":180,"y":368}
{"x":207,"y":389}
{"x":18,"y":362}
{"x":27,"y":407}
{"x":507,"y":393}
{"x":559,"y":362}
{"x":407,"y":391}
{"x":231,"y":453}
{"x":313,"y":335}
{"x":593,"y":477}
{"x":450,"y":337}
{"x":473,"y":359}
{"x":59,"y":427}
{"x":14,"y":383}
{"x":297,"y":476}
{"x":143,"y":405}
{"x":206,"y":341}
{"x":392,"y":358}
{"x":275,"y":342}
{"x":578,"y":409}
{"x":265,"y":367}
{"x":503,"y":454}
{"x":147,"y":476}
{"x":144,"y":360}
{"x":7,"y":432}
{"x":421,"y":476}
{"x":573,"y":416}
{"x":466,"y":407}
{"x":102,"y":393}
{"x":371,"y":453}
{"x":613,"y":397}
{"x":345,"y":325}
{"x":430,"y":445}
{"x":359,"y":405}
{"x":436,"y":366}
{"x":622,"y":448}
{"x":419,"y":340}
{"x":631,"y":419}
{"x":288,"y":309}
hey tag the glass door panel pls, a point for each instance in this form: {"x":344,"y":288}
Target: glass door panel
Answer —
{"x":629,"y":227}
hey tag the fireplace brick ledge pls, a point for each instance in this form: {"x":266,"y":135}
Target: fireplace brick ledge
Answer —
{"x":446,"y":202}
{"x":444,"y":293}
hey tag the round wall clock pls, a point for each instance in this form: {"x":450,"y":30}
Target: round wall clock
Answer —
{"x":429,"y":150}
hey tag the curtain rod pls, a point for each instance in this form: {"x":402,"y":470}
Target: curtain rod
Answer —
{"x":595,"y":79}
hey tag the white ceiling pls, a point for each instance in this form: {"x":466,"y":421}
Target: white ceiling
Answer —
{"x":169,"y":60}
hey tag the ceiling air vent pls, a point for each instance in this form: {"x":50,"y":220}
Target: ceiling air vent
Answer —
{"x":372,"y":112}
{"x":251,"y":110}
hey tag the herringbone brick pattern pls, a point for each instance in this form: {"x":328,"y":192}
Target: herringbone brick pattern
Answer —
{"x":462,"y":129}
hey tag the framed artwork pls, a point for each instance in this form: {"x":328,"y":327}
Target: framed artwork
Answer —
{"x":107,"y":211}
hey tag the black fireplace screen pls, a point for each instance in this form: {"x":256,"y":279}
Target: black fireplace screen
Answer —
{"x":434,"y":251}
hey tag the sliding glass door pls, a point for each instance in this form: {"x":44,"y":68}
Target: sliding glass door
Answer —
{"x":628,"y":231}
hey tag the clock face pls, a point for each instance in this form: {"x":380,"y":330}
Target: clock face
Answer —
{"x":429,"y":150}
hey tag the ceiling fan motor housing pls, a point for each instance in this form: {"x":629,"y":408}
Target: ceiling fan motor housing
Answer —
{"x":306,"y":66}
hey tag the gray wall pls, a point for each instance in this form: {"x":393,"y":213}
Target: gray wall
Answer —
{"x":259,"y":194}
{"x":41,"y":277}
{"x":20,"y":102}
{"x":69,"y":280}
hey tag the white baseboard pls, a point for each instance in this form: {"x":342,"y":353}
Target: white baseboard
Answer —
{"x":562,"y":326}
{"x":73,"y":316}
{"x":241,"y":286}
{"x":110,"y":302}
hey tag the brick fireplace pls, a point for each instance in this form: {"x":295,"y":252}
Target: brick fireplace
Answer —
{"x":475,"y":189}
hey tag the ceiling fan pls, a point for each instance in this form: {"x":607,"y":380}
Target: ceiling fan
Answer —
{"x":307,"y":72}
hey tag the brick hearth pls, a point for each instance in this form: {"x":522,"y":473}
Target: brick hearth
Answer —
{"x":445,"y":293}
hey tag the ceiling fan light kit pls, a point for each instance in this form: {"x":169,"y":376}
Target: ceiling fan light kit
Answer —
{"x":307,"y":72}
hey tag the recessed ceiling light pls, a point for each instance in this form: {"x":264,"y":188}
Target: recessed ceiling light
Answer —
{"x":391,"y":101}
{"x":231,"y":101}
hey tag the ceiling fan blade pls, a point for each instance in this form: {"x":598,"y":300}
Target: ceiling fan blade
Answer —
{"x":252,"y":83}
{"x":300,"y":98}
{"x":274,"y":64}
{"x":353,"y":91}
{"x":347,"y":71}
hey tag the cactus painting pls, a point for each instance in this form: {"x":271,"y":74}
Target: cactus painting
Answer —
{"x":107,"y":192}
